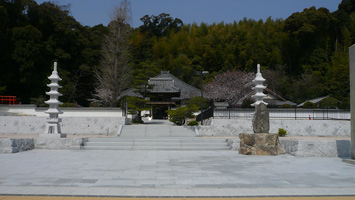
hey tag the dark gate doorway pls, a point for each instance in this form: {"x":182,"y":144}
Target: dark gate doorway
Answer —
{"x":159,"y":112}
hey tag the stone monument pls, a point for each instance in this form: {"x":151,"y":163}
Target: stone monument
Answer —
{"x":53,"y":122}
{"x":260,"y":142}
{"x":261,"y":123}
{"x":352,"y":98}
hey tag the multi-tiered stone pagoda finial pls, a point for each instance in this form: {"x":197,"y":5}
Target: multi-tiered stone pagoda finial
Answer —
{"x":53,"y":126}
{"x":259,"y":87}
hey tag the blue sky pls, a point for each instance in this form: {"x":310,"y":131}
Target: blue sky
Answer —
{"x":93,"y":12}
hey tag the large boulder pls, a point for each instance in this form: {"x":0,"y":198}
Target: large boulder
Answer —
{"x":260,"y":144}
{"x":261,"y":123}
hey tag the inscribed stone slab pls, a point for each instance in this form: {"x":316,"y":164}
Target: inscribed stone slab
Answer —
{"x":261,"y":123}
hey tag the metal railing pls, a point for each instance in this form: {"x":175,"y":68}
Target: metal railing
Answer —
{"x":282,"y":113}
{"x":206,"y":114}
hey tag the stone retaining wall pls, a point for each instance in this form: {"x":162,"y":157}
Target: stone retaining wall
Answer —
{"x":298,"y":148}
{"x":317,"y":148}
{"x":69,"y":125}
{"x":233,"y":127}
{"x":59,"y":143}
{"x":308,"y":148}
{"x":10,"y":145}
{"x":15,"y":145}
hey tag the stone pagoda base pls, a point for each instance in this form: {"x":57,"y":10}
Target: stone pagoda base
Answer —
{"x":260,"y":144}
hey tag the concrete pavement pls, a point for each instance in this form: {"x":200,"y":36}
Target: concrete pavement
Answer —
{"x":130,"y":198}
{"x":171,"y":174}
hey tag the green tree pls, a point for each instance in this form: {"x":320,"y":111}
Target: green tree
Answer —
{"x":141,"y":86}
{"x":179,"y":115}
{"x":308,"y":31}
{"x":328,"y":102}
{"x":160,"y":25}
{"x":196,"y":101}
{"x":32,"y":36}
{"x":309,"y":104}
{"x":135,"y":106}
{"x":337,"y":83}
{"x":28,"y":48}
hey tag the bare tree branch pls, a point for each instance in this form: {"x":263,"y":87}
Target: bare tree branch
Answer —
{"x":115,"y":72}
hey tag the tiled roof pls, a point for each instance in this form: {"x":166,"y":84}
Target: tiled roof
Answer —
{"x":131,"y":93}
{"x":315,"y":101}
{"x":163,"y":85}
{"x":273,"y":97}
{"x":169,"y":82}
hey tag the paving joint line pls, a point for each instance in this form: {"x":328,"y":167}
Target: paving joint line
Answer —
{"x":144,"y":196}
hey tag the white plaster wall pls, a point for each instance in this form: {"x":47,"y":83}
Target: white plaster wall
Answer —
{"x":293,"y":127}
{"x":32,"y":110}
{"x":69,"y":125}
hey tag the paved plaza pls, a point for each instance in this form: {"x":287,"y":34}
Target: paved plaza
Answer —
{"x":171,"y":174}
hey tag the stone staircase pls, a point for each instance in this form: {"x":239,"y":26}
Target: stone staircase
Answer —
{"x":156,"y":144}
{"x":156,"y":137}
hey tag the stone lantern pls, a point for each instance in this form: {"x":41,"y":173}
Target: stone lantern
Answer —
{"x":259,"y":88}
{"x":53,"y":126}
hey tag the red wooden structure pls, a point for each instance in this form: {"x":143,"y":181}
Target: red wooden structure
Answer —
{"x":8,"y":100}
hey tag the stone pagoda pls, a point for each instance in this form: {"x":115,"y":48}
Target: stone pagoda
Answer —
{"x":53,"y":126}
{"x":259,"y":88}
{"x":261,"y":142}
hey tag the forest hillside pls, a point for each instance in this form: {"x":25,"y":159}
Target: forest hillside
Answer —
{"x":302,"y":57}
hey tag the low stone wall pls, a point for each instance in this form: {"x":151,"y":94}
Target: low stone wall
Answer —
{"x":308,"y":147}
{"x":15,"y":145}
{"x":295,"y":147}
{"x":59,"y":143}
{"x":69,"y":125}
{"x":233,"y":127}
{"x":317,"y":148}
{"x":11,"y":145}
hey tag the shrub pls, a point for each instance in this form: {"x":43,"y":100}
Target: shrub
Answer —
{"x":94,"y":104}
{"x":328,"y":102}
{"x":282,"y":132}
{"x":286,"y":105}
{"x":345,"y":105}
{"x":39,"y":101}
{"x":196,"y":101}
{"x":193,"y":123}
{"x":179,"y":115}
{"x":66,"y":104}
{"x":247,"y":103}
{"x":135,"y":107}
{"x":309,"y":104}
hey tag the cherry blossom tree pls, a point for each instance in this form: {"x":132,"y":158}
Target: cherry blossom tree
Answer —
{"x":229,"y":86}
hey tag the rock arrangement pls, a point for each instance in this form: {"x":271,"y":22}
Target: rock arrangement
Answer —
{"x":260,"y":144}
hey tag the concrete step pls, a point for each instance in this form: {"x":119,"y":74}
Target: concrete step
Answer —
{"x":163,"y":143}
{"x":156,"y":131}
{"x":171,"y":148}
{"x":161,"y":139}
{"x":152,"y":144}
